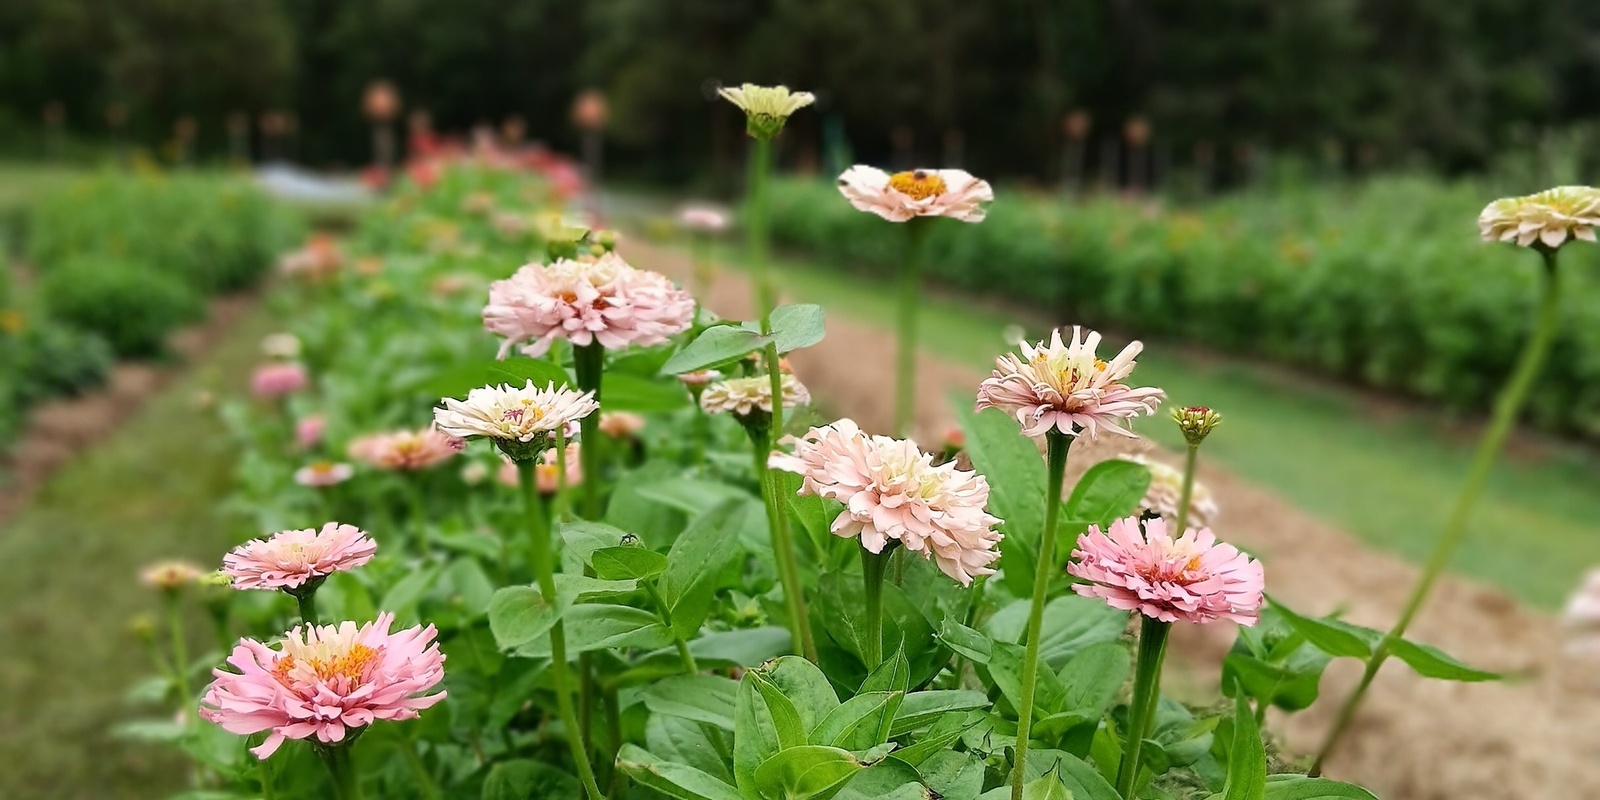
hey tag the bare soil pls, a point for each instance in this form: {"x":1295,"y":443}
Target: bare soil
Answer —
{"x":1537,"y":735}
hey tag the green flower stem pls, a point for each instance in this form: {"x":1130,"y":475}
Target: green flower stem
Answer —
{"x":180,"y":654}
{"x":613,"y":711}
{"x":905,"y":404}
{"x":702,"y":432}
{"x":756,"y":234}
{"x":1146,"y":693}
{"x":563,"y":498}
{"x":590,"y":361}
{"x":346,"y":782}
{"x":872,"y":568}
{"x":308,"y":607}
{"x":700,"y":255}
{"x":689,"y":665}
{"x":782,"y":544}
{"x":544,"y":568}
{"x":1188,"y":490}
{"x":265,"y":772}
{"x":425,"y":782}
{"x":1056,"y":446}
{"x":1506,"y":409}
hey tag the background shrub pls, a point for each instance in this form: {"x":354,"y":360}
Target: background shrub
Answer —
{"x":133,"y":306}
{"x":50,"y":358}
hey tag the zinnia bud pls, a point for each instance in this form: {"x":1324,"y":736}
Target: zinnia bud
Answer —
{"x":1196,"y":423}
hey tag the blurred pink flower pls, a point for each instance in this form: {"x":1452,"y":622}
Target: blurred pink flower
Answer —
{"x":170,"y":576}
{"x":308,"y":430}
{"x":621,"y":424}
{"x":323,"y":681}
{"x":547,"y":472}
{"x":606,"y":301}
{"x":893,"y":491}
{"x":1193,"y":578}
{"x":278,"y":380}
{"x":321,"y":474}
{"x":406,"y":451}
{"x":1065,"y":387}
{"x":699,"y":377}
{"x":744,"y":395}
{"x":291,"y":559}
{"x":703,"y":218}
{"x":919,"y":193}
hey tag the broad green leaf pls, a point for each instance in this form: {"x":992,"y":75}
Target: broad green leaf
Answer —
{"x":1016,"y":473}
{"x":1092,"y":678}
{"x":715,"y":346}
{"x":1300,"y":787}
{"x":808,"y":772}
{"x":923,"y":708}
{"x":401,"y":599}
{"x":793,"y":326}
{"x":764,"y":722}
{"x":893,"y":675}
{"x":597,"y":626}
{"x":674,"y":780}
{"x":624,"y":563}
{"x":458,"y":380}
{"x":696,"y":562}
{"x":702,"y":698}
{"x":623,"y":392}
{"x":1045,"y":787}
{"x":519,"y":779}
{"x":840,"y":609}
{"x":946,"y":731}
{"x":967,"y":643}
{"x":1006,"y":666}
{"x":581,"y":538}
{"x":1332,"y":636}
{"x":519,"y":614}
{"x":1431,"y":662}
{"x":1277,"y":684}
{"x":889,"y":779}
{"x":681,"y":741}
{"x":1247,"y":756}
{"x":804,"y":685}
{"x":745,"y":648}
{"x":1109,"y":491}
{"x":860,"y":723}
{"x":954,"y":775}
{"x":1082,"y":780}
{"x":1070,"y":624}
{"x":472,"y":585}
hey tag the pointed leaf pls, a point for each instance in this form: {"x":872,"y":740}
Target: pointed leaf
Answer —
{"x":1332,"y":636}
{"x":809,"y":772}
{"x":673,"y":780}
{"x":1016,"y":473}
{"x":1431,"y":662}
{"x":702,"y":698}
{"x":1109,"y":491}
{"x":624,"y":563}
{"x":715,"y":346}
{"x":860,"y":723}
{"x":1247,"y":757}
{"x":1300,"y":787}
{"x":893,"y":675}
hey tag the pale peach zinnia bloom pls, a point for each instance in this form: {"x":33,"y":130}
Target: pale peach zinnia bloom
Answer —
{"x":918,"y":193}
{"x":547,"y":470}
{"x":893,"y":492}
{"x":406,"y":451}
{"x":322,"y":474}
{"x":1193,"y":578}
{"x":742,"y":396}
{"x":621,"y":424}
{"x":606,"y":302}
{"x":170,"y":576}
{"x":1063,"y":386}
{"x":515,"y":414}
{"x":323,"y":681}
{"x":291,"y":559}
{"x":1546,"y":218}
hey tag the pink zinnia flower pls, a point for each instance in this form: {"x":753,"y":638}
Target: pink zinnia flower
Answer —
{"x":621,"y":424}
{"x":324,"y":680}
{"x":1065,"y":387}
{"x":702,"y":218}
{"x":278,"y":380}
{"x":322,"y":474}
{"x":291,"y":559}
{"x":547,"y":471}
{"x":1192,"y":578}
{"x":607,"y":301}
{"x":893,"y":491}
{"x":918,"y":193}
{"x":308,"y":430}
{"x":406,"y":451}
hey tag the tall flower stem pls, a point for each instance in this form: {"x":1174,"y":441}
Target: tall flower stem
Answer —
{"x":782,"y":543}
{"x":689,"y":665}
{"x":544,"y":568}
{"x":1146,"y":693}
{"x":1056,"y":446}
{"x":590,"y":361}
{"x":1188,"y":489}
{"x":756,"y":228}
{"x":180,"y":652}
{"x":872,"y":568}
{"x":1506,"y":409}
{"x":905,"y":405}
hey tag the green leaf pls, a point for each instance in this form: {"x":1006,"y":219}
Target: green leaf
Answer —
{"x":893,"y":675}
{"x":1070,"y":623}
{"x":581,"y":538}
{"x":1045,"y":787}
{"x":923,"y":708}
{"x":472,"y":585}
{"x":889,"y":779}
{"x":1277,"y":684}
{"x":1082,"y":780}
{"x":1300,"y":787}
{"x":1006,"y":666}
{"x":623,"y":392}
{"x":946,"y":731}
{"x":764,"y":722}
{"x":598,"y":626}
{"x":793,"y":326}
{"x":804,"y":685}
{"x":458,"y":380}
{"x":808,"y":772}
{"x":696,"y":562}
{"x":1247,"y":756}
{"x":1332,"y":636}
{"x":967,"y":643}
{"x":1109,"y":491}
{"x":715,"y":346}
{"x":673,"y":780}
{"x":860,"y":723}
{"x":1016,"y":474}
{"x":519,"y":614}
{"x":702,"y":698}
{"x":519,"y":779}
{"x":624,"y":563}
{"x":954,"y":775}
{"x":681,"y":741}
{"x":401,"y":599}
{"x":1431,"y":662}
{"x":1092,"y":678}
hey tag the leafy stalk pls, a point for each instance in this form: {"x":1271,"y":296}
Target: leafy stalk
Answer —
{"x":1056,"y":446}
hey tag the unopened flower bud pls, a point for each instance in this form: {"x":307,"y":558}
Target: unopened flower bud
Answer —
{"x":1196,"y":423}
{"x":143,"y":628}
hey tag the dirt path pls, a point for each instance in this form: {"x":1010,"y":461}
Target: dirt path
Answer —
{"x":1415,"y":739}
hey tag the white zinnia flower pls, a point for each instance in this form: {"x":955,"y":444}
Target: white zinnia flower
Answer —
{"x":766,"y":108}
{"x":743,"y":395}
{"x":510,"y":414}
{"x":1547,"y":217}
{"x":950,"y":193}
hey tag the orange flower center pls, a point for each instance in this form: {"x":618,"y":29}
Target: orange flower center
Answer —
{"x":351,"y":665}
{"x":917,"y":184}
{"x":1168,"y":571}
{"x":322,"y":467}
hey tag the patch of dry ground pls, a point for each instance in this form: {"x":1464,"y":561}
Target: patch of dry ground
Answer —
{"x":1538,"y":736}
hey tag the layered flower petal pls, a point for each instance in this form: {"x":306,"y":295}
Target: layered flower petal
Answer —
{"x":605,"y":301}
{"x":1063,"y":386}
{"x":1193,"y":578}
{"x":1547,"y":218}
{"x":918,"y":193}
{"x":291,"y":559}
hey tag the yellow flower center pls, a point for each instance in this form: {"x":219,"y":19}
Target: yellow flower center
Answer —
{"x":322,"y":467}
{"x":917,"y":184}
{"x":351,"y":665}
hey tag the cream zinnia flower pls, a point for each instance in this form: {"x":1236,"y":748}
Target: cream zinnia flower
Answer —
{"x":1065,"y":387}
{"x":528,"y":415}
{"x":893,"y":492}
{"x":766,"y":108}
{"x":741,"y":396}
{"x":899,"y":197}
{"x":1547,"y":217}
{"x":1166,"y":488}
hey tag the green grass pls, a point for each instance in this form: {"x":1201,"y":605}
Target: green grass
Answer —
{"x":70,"y":588}
{"x":1388,"y":478}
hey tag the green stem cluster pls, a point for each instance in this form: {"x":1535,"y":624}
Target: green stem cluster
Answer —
{"x":1056,"y":446}
{"x":1507,"y":407}
{"x":905,"y":405}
